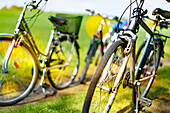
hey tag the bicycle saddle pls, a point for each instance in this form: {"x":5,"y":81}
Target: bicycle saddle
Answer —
{"x":164,"y":13}
{"x":57,"y":20}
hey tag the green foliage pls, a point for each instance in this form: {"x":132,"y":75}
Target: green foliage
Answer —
{"x":14,"y":7}
{"x":4,"y":8}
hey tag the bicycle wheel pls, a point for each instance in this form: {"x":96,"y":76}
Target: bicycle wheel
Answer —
{"x":88,"y":61}
{"x":18,"y":81}
{"x":65,"y":55}
{"x":147,"y":68}
{"x":103,"y":88}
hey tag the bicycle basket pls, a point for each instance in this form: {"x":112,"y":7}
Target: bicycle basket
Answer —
{"x":72,"y":24}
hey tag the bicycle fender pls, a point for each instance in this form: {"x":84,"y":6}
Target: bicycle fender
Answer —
{"x":6,"y":35}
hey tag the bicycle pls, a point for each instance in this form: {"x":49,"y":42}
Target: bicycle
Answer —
{"x":111,"y":70}
{"x":21,"y":61}
{"x":98,"y":42}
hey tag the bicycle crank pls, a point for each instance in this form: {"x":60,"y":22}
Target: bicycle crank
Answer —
{"x":126,"y":81}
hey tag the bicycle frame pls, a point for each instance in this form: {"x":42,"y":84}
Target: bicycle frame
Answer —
{"x":22,"y":27}
{"x":132,"y":40}
{"x":130,"y":36}
{"x":98,"y":41}
{"x":99,"y":32}
{"x":22,"y":34}
{"x":151,"y":34}
{"x":21,"y":24}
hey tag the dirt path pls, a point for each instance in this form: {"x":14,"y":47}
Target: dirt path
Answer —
{"x":39,"y":96}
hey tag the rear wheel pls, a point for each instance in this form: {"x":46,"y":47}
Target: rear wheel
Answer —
{"x":65,"y":56}
{"x":20,"y":77}
{"x":88,"y":61}
{"x":147,"y":68}
{"x":103,"y":88}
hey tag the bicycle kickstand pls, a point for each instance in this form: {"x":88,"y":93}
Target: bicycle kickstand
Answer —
{"x":41,"y":85}
{"x":45,"y":86}
{"x":138,"y":97}
{"x":141,"y":101}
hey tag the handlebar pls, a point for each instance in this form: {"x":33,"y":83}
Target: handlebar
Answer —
{"x":91,"y":11}
{"x":35,"y":6}
{"x":161,"y":22}
{"x":109,"y":17}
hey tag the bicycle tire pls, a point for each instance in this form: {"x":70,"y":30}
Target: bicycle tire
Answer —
{"x":90,"y":96}
{"x":62,"y":77}
{"x":19,"y":80}
{"x":147,"y":67}
{"x":98,"y":59}
{"x":140,"y":50}
{"x":88,"y":61}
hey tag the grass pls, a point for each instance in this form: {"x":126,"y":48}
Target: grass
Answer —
{"x":63,"y":104}
{"x":74,"y":103}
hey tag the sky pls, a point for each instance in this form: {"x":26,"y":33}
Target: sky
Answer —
{"x":107,"y":7}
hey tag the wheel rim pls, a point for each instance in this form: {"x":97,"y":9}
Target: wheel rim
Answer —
{"x":18,"y":81}
{"x":105,"y":85}
{"x":148,"y":70}
{"x":63,"y":76}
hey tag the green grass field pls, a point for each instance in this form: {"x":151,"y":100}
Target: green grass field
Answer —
{"x":73,"y":103}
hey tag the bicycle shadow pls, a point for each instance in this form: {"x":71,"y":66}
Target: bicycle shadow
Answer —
{"x":77,"y":82}
{"x":38,"y":96}
{"x":127,"y":109}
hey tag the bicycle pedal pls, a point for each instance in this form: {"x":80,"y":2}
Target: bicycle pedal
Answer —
{"x":126,"y":81}
{"x":57,"y":51}
{"x":45,"y":86}
{"x":96,"y":64}
{"x":37,"y":90}
{"x":85,"y":59}
{"x":50,"y":92}
{"x":145,"y":102}
{"x":161,"y":64}
{"x":82,"y":82}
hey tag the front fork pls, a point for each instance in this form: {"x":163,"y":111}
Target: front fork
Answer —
{"x":133,"y":69}
{"x":7,"y":56}
{"x":131,"y":47}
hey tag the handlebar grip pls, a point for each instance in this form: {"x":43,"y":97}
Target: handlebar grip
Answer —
{"x":33,"y":1}
{"x":88,"y":10}
{"x":35,"y":6}
{"x":116,"y":18}
{"x":91,"y":11}
{"x":38,"y":3}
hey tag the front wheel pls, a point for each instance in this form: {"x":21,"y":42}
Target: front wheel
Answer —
{"x":20,"y":77}
{"x":103,"y":88}
{"x":65,"y":56}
